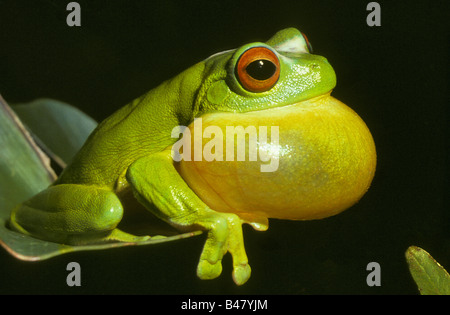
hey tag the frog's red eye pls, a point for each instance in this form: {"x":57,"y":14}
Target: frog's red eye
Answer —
{"x":258,"y":69}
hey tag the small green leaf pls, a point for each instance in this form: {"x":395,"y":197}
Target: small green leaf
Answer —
{"x":430,"y":277}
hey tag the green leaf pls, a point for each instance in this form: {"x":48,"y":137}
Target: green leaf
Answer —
{"x":25,"y":170}
{"x":60,"y":127}
{"x":430,"y":277}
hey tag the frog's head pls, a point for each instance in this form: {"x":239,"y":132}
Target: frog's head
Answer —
{"x":258,"y":76}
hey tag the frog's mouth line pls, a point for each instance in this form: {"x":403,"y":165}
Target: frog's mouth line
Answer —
{"x":313,"y":101}
{"x":310,"y":102}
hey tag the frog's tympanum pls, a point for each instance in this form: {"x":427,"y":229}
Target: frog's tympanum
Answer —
{"x":293,"y":152}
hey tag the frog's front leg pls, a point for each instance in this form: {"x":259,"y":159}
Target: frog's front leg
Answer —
{"x":72,"y":214}
{"x":155,"y":180}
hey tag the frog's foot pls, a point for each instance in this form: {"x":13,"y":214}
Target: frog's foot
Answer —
{"x":121,"y":236}
{"x":225,"y":235}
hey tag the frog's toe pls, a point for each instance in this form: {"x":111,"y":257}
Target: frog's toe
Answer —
{"x":142,"y":238}
{"x":241,"y":273}
{"x":207,"y":270}
{"x":121,"y":236}
{"x":157,"y":237}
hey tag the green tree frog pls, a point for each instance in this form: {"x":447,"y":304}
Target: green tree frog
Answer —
{"x":325,"y":156}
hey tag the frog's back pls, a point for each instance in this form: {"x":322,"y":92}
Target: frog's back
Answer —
{"x":121,"y":139}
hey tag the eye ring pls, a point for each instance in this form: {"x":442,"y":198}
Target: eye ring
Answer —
{"x":258,"y":69}
{"x":308,"y":44}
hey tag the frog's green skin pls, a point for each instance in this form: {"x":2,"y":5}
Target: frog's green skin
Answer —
{"x":130,"y":151}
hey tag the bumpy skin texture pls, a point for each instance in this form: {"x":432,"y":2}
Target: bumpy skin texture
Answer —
{"x":131,"y":152}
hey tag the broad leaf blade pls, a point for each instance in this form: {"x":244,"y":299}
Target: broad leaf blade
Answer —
{"x":24,"y":171}
{"x":430,"y":277}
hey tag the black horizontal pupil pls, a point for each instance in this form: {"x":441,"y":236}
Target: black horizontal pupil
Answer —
{"x":261,"y":69}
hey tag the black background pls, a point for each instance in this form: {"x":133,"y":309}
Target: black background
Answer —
{"x":394,"y":76}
